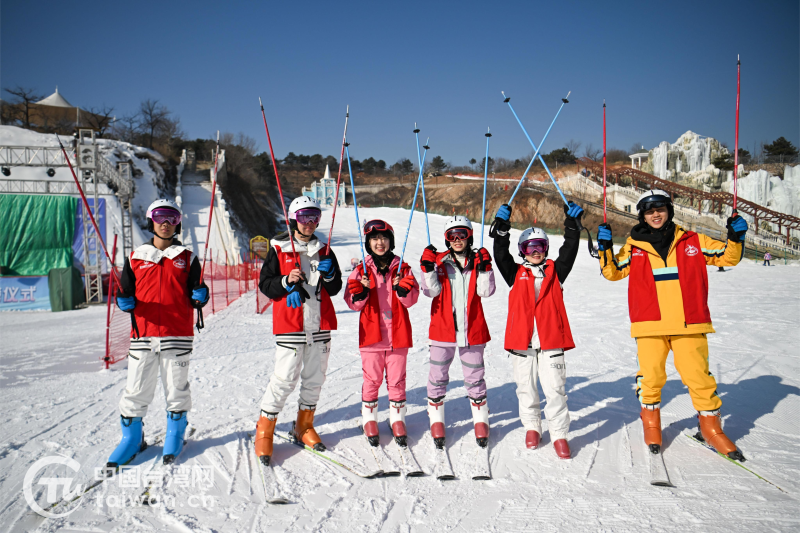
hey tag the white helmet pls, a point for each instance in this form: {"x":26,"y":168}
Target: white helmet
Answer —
{"x":162,"y":204}
{"x":302,"y":202}
{"x":654,"y":198}
{"x":533,"y":234}
{"x":457,"y":222}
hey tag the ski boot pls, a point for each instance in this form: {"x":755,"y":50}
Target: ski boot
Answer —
{"x":436,"y":415}
{"x":651,"y":423}
{"x":303,"y":429}
{"x":562,"y":449}
{"x":480,"y":417}
{"x":710,"y":426}
{"x":265,"y":430}
{"x":369,"y":422}
{"x":397,"y":419}
{"x":131,"y":444}
{"x":532,"y":439}
{"x":173,"y":442}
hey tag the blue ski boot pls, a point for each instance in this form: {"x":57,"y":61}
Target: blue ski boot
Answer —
{"x":131,"y":444}
{"x":176,"y":427}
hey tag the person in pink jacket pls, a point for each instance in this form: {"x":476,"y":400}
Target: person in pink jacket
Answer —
{"x":382,"y":297}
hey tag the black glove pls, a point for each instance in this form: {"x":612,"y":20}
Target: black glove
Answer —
{"x":428,"y":261}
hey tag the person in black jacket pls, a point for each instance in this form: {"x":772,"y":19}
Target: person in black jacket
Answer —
{"x":537,"y":330}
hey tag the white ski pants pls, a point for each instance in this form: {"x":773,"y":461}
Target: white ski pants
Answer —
{"x":143,"y":369}
{"x":305,"y":362}
{"x":548,"y":368}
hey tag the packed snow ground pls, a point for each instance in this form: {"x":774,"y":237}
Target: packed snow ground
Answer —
{"x":56,"y":400}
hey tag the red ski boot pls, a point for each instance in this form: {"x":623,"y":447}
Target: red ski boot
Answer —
{"x":480,"y":417}
{"x":562,"y":449}
{"x":369,"y":422}
{"x":397,"y":419}
{"x":532,"y":439}
{"x":436,"y":415}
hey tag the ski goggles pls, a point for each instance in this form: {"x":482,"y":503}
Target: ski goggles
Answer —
{"x":652,"y":202}
{"x":457,"y":234}
{"x":377,"y":225}
{"x":533,"y":246}
{"x":165,"y":214}
{"x":308,"y":216}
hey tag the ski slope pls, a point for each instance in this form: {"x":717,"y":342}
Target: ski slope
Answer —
{"x":55,"y":400}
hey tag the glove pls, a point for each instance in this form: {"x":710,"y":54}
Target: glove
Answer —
{"x":573,"y":210}
{"x":504,"y":212}
{"x":604,"y":241}
{"x":326,"y":267}
{"x":357,"y":290}
{"x":501,"y":222}
{"x":428,"y":261}
{"x":297,"y":295}
{"x":737,"y":228}
{"x":484,"y":260}
{"x":200,"y":296}
{"x":405,"y":285}
{"x":126,"y":303}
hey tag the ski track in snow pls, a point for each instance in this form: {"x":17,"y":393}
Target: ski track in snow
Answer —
{"x":56,"y":400}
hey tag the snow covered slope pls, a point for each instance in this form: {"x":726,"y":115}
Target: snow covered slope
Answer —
{"x":56,"y":401}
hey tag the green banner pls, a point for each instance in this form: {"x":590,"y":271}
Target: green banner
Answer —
{"x":35,"y":233}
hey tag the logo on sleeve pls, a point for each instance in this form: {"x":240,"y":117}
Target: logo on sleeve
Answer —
{"x":147,"y":264}
{"x":179,"y":263}
{"x":691,"y":250}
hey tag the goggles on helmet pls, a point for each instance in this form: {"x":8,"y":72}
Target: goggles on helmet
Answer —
{"x":165,"y":214}
{"x":533,"y":245}
{"x":457,"y":234}
{"x":652,"y":202}
{"x":308,"y":215}
{"x":377,"y":226}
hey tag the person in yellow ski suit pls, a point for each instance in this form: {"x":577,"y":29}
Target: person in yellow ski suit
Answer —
{"x":668,"y":304}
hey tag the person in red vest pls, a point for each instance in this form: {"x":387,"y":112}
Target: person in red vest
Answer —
{"x":668,"y":305}
{"x":160,"y":286}
{"x":537,"y":329}
{"x":457,"y":280}
{"x":300,"y":287}
{"x":382,"y":290}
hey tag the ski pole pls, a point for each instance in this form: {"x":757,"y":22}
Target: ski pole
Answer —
{"x":604,"y":162}
{"x":211,"y":209}
{"x":280,"y":191}
{"x":485,"y":177}
{"x":536,"y":150}
{"x":424,"y":204}
{"x":736,"y":147}
{"x":355,"y":206}
{"x":413,"y":204}
{"x":338,"y":181}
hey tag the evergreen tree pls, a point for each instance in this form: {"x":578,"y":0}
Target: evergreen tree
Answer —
{"x":438,"y":164}
{"x":780,"y":147}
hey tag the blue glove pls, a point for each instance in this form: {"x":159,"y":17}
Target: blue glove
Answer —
{"x":573,"y":210}
{"x":126,"y":303}
{"x":504,"y":212}
{"x":200,"y":294}
{"x":326,"y":267}
{"x":294,"y":300}
{"x":737,"y":228}
{"x":604,"y":241}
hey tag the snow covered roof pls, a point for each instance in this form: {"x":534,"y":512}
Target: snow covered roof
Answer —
{"x":55,"y":100}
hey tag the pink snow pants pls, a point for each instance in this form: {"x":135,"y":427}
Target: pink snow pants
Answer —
{"x":376,"y":364}
{"x":471,"y":363}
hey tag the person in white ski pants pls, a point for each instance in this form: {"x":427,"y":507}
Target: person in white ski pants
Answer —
{"x":293,"y":362}
{"x":146,"y":357}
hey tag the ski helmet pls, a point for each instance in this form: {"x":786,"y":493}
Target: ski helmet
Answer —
{"x":458,"y":222}
{"x":533,"y":236}
{"x":166,"y":205}
{"x":652,"y":199}
{"x":302,"y":205}
{"x":375,"y":227}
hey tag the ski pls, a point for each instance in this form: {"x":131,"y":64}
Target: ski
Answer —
{"x":441,"y":468}
{"x":333,"y":457}
{"x":480,"y":465}
{"x":385,"y":464}
{"x":268,"y":478}
{"x":658,"y":470}
{"x":411,"y":467}
{"x":158,"y":480}
{"x":737,"y":463}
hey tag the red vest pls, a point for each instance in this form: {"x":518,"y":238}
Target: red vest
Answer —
{"x":548,"y":312}
{"x":443,"y":326}
{"x":369,"y":327}
{"x":163,"y":303}
{"x":290,"y":320}
{"x":692,"y":276}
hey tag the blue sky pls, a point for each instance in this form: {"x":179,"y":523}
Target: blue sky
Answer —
{"x":663,"y":68}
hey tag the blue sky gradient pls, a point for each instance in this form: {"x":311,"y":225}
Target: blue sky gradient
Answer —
{"x":663,"y":68}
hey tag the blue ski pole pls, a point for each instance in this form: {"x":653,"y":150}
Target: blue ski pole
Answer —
{"x":413,"y":204}
{"x":424,"y":204}
{"x":485,"y":177}
{"x":536,"y":150}
{"x":355,"y":206}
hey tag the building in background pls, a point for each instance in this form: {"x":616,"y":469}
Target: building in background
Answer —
{"x":324,"y":190}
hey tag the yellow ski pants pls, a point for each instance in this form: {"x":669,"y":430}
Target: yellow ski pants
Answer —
{"x":691,"y":361}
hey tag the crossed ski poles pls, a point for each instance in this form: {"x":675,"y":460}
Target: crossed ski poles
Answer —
{"x":424,"y":204}
{"x":414,"y":203}
{"x":565,"y":100}
{"x":355,"y":206}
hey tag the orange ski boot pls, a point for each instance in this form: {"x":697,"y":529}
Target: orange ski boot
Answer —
{"x":711,"y":432}
{"x":265,"y":429}
{"x":651,"y":422}
{"x":303,"y":430}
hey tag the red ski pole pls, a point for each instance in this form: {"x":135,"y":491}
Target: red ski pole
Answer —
{"x":211,"y":209}
{"x":736,"y":144}
{"x":338,"y":180}
{"x":604,"y":162}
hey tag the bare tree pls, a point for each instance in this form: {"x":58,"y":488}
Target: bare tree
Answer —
{"x":591,"y":152}
{"x":152,"y":118}
{"x":99,"y":119}
{"x":636,"y":148}
{"x":125,"y":128}
{"x":25,"y":97}
{"x":573,"y":146}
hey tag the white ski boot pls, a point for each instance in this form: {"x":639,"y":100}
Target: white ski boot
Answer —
{"x":436,"y":415}
{"x":397,"y":419}
{"x":480,"y":417}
